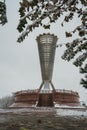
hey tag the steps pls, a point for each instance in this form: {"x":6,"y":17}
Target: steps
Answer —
{"x":45,"y":100}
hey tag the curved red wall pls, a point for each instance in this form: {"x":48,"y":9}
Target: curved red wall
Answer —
{"x":45,"y":98}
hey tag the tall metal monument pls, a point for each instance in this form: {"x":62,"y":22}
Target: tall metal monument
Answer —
{"x":46,"y":48}
{"x":38,"y":97}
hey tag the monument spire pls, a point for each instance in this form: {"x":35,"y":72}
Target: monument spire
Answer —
{"x":46,"y":49}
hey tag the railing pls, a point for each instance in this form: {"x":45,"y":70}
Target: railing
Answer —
{"x":26,"y":91}
{"x":66,"y":91}
{"x":45,"y":91}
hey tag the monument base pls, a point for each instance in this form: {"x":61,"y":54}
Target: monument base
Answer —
{"x":45,"y":98}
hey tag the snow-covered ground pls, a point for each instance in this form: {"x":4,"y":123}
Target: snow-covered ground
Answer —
{"x":64,"y":110}
{"x":58,"y":111}
{"x":67,"y":112}
{"x":27,"y":110}
{"x":67,"y":106}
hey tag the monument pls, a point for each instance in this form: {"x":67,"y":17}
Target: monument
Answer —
{"x":46,"y":94}
{"x":46,"y":49}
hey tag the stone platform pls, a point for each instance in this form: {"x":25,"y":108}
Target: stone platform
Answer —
{"x":45,"y":98}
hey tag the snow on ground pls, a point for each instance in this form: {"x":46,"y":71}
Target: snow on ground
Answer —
{"x":55,"y":111}
{"x":66,"y":106}
{"x":27,"y":110}
{"x":67,"y":112}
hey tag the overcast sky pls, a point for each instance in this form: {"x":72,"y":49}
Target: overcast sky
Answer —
{"x":19,"y":63}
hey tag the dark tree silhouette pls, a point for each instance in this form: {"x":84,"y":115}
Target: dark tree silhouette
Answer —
{"x":3,"y":17}
{"x":84,"y":71}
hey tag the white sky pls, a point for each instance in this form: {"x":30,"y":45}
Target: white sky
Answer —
{"x":19,"y":63}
